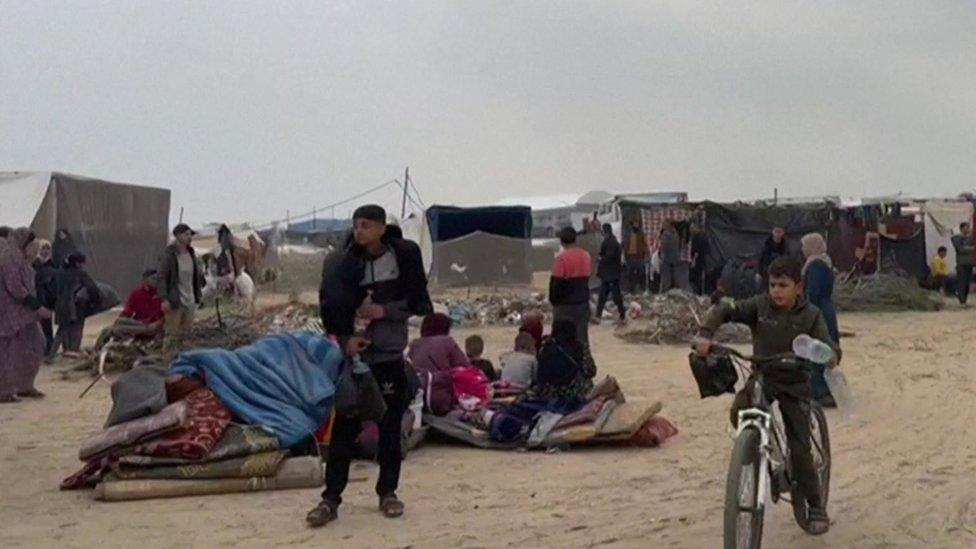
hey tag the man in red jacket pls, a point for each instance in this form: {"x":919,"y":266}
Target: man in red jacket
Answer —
{"x":142,"y":316}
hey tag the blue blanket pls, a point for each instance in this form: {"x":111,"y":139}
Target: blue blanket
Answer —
{"x":284,"y":382}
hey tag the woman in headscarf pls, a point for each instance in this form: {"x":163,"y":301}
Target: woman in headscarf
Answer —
{"x":566,"y":369}
{"x":21,"y":340}
{"x":78,"y":296}
{"x":532,"y":324}
{"x":63,"y":246}
{"x":436,"y":350}
{"x":818,"y":282}
{"x":45,"y":283}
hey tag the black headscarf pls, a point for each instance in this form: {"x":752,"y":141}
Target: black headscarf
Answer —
{"x":561,"y":356}
{"x":61,"y":248}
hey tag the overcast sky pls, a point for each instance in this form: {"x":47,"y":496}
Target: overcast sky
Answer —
{"x":248,"y":109}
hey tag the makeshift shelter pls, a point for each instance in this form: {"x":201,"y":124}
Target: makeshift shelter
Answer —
{"x":553,"y":212}
{"x":739,"y":231}
{"x":480,"y":246}
{"x":121,"y":228}
{"x":323,"y":233}
{"x":942,"y":219}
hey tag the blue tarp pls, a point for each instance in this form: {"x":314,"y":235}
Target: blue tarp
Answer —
{"x":285,"y":382}
{"x":448,"y":223}
{"x":313,"y":226}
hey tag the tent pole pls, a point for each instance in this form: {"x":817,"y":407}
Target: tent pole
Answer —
{"x":406,"y":183}
{"x":181,"y":214}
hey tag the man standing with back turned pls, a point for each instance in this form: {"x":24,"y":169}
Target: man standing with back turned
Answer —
{"x":963,"y":242}
{"x":377,"y":280}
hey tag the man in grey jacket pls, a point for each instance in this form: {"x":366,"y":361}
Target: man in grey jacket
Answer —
{"x":368,"y":292}
{"x":963,"y":242}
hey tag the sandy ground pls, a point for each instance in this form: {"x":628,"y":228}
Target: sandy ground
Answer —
{"x":904,"y":475}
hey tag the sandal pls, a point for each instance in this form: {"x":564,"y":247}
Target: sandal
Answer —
{"x":9,"y":399}
{"x":324,"y":513}
{"x":391,"y":506}
{"x":33,"y":393}
{"x":817,"y":521}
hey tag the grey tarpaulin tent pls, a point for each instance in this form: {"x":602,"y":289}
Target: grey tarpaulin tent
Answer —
{"x":121,"y":228}
{"x":480,"y":246}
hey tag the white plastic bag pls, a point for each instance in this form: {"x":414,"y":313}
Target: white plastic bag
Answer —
{"x":841,"y":391}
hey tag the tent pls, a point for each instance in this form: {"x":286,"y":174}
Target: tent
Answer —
{"x":942,"y":220}
{"x":122,"y":228}
{"x":740,"y":230}
{"x":480,"y":246}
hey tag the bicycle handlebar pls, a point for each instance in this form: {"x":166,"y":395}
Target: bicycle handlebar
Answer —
{"x":750,"y":358}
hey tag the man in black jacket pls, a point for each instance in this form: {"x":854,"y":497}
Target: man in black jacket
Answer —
{"x":608,"y":271}
{"x":180,"y":285}
{"x":773,"y":248}
{"x":377,"y":282}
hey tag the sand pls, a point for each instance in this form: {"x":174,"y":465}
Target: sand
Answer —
{"x":904,"y":473}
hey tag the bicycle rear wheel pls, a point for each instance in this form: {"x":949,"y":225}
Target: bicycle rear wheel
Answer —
{"x":743,"y":512}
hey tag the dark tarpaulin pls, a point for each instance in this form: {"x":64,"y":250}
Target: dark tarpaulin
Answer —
{"x":122,"y":229}
{"x":448,"y":223}
{"x":739,"y":230}
{"x":482,"y":259}
{"x":481,"y":246}
{"x":905,"y":254}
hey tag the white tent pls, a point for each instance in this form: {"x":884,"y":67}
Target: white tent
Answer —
{"x":942,"y":220}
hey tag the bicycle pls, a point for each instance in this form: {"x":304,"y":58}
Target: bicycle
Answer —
{"x":760,"y":468}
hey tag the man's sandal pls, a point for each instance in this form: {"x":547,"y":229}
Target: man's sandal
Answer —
{"x":391,"y":507}
{"x":324,"y":513}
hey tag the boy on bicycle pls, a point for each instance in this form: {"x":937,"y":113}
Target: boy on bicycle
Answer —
{"x":776,"y":319}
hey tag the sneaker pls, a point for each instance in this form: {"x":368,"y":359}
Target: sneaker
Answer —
{"x":818,"y":523}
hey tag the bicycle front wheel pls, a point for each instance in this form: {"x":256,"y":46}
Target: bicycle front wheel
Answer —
{"x":743,"y":509}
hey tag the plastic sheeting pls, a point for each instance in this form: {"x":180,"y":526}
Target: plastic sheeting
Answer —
{"x":942,"y":220}
{"x":122,"y":229}
{"x":448,"y":223}
{"x":739,"y":230}
{"x":482,"y":259}
{"x":21,"y":195}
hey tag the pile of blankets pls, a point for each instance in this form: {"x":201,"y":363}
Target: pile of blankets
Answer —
{"x":510,"y":421}
{"x":215,"y":421}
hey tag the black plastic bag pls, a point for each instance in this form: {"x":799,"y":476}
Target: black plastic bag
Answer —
{"x":358,"y":395}
{"x":715,"y":375}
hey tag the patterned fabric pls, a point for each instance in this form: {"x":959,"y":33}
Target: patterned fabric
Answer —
{"x":206,"y":421}
{"x":131,"y":432}
{"x":257,"y":465}
{"x":653,"y":221}
{"x":586,"y":414}
{"x":238,"y":441}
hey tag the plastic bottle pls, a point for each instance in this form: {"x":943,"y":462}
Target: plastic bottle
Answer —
{"x":841,"y":391}
{"x":813,"y":350}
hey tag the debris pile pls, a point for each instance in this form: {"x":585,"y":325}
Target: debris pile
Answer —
{"x":494,"y":309}
{"x":886,"y":293}
{"x":675,"y":318}
{"x":229,"y":331}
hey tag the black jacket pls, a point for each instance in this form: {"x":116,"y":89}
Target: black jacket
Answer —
{"x":46,"y":283}
{"x":771,"y":251}
{"x":611,"y":253}
{"x":169,"y":277}
{"x":341,"y":293}
{"x":78,"y":296}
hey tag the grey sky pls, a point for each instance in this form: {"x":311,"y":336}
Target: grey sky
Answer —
{"x":246,"y":109}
